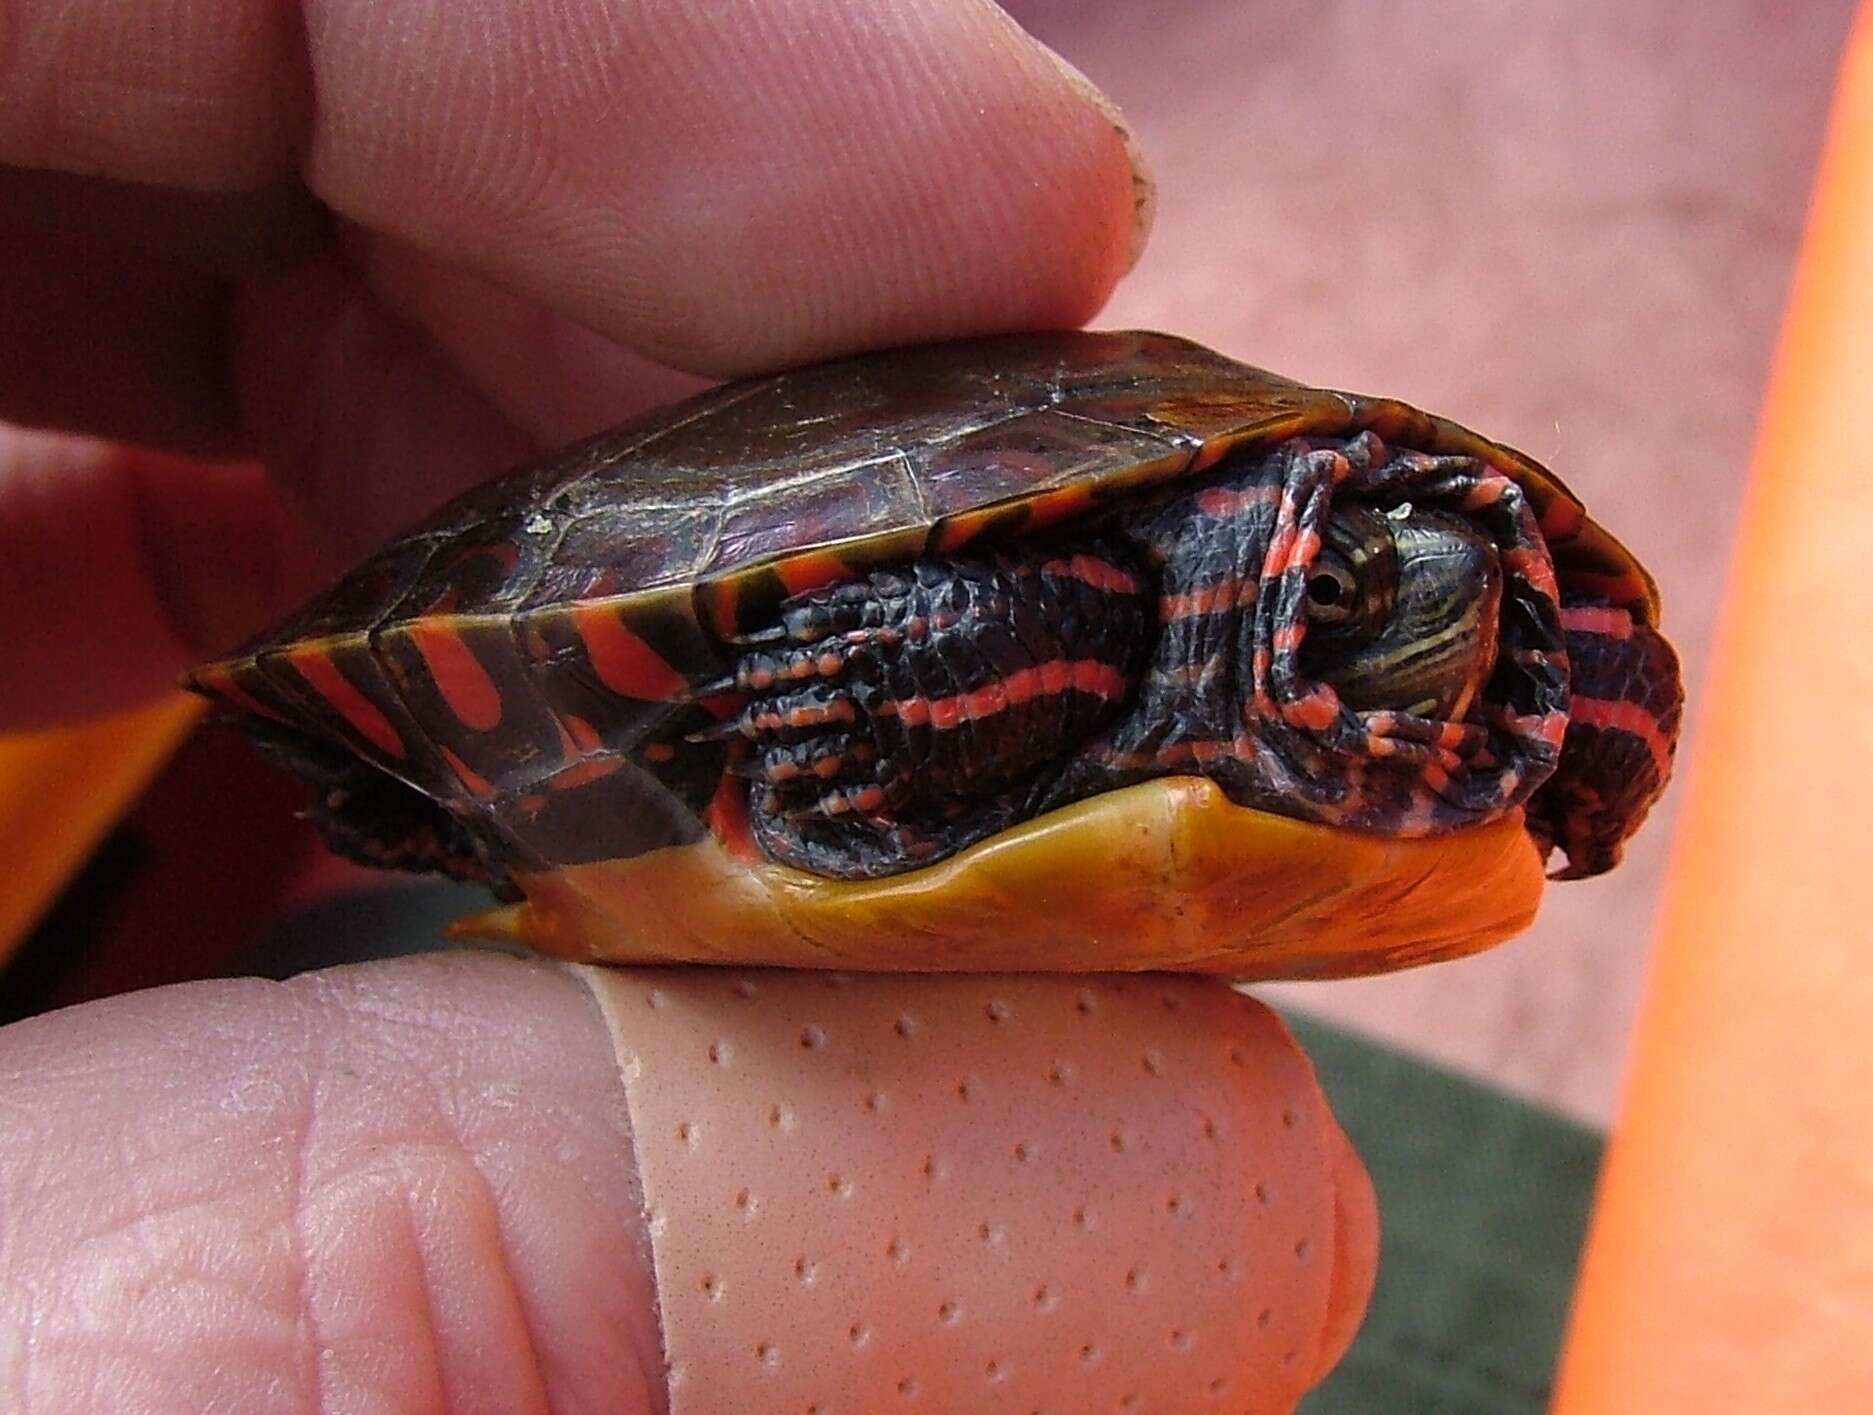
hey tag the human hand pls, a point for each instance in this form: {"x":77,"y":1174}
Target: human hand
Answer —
{"x":423,"y":1185}
{"x":526,"y":215}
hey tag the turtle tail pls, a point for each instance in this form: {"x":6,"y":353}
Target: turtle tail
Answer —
{"x":1622,"y":734}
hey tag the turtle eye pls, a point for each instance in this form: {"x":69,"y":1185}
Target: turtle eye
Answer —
{"x":1332,"y":593}
{"x":1353,"y":580}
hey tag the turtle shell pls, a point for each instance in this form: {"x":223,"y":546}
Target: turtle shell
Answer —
{"x":533,"y":658}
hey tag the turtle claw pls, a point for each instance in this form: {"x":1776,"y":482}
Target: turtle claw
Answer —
{"x":787,"y":719}
{"x":726,"y":730}
{"x":868,"y":801}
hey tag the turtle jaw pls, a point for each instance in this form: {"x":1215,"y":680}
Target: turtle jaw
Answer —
{"x":1184,"y":879}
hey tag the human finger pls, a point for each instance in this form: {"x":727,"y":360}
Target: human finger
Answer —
{"x":724,"y":188}
{"x":450,"y":1182}
{"x":456,"y":333}
{"x":121,"y":565}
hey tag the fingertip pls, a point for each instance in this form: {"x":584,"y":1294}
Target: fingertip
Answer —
{"x":1144,"y":185}
{"x":1355,"y":1250}
{"x":955,"y":1189}
{"x":731,"y":194}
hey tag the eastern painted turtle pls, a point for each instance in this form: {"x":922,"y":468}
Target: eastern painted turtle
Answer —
{"x":1073,"y":650}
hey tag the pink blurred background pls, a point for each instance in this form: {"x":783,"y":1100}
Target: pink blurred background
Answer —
{"x":1568,"y":225}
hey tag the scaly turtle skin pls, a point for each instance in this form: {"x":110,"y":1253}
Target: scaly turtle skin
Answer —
{"x":1068,"y":650}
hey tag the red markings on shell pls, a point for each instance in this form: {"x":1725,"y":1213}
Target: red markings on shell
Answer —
{"x":1051,"y":507}
{"x":801,"y":573}
{"x":1561,"y":518}
{"x":624,"y":663}
{"x":458,"y":675}
{"x":313,"y":663}
{"x":726,"y":816}
{"x":220,"y":681}
{"x":581,"y":736}
{"x":472,"y":781}
{"x":583,"y":773}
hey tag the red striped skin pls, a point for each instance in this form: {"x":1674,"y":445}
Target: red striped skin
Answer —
{"x":1624,"y":716}
{"x":863,"y":724}
{"x":1597,"y":619}
{"x":1436,"y":774}
{"x":1281,"y":740}
{"x":1092,"y":570}
{"x":1048,"y":680}
{"x":1620,"y":737}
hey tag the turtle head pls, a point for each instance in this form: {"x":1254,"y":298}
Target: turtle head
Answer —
{"x":1412,"y":612}
{"x":1404,"y":609}
{"x":1405,"y":613}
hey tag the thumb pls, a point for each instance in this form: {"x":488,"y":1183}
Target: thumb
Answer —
{"x":474,"y":1183}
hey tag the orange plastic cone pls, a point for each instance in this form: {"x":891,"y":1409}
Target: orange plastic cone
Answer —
{"x":1730,"y":1265}
{"x":62,"y":789}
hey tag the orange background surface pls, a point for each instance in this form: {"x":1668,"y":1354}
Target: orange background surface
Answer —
{"x":61,"y":790}
{"x":1731,"y":1261}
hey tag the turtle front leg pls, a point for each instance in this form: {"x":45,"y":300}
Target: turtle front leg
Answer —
{"x":899,"y":718}
{"x":1626,"y":707}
